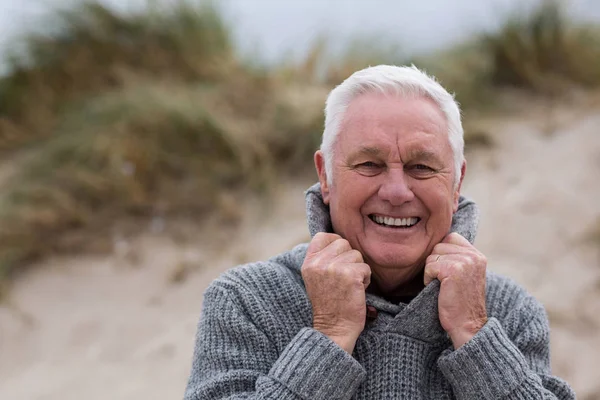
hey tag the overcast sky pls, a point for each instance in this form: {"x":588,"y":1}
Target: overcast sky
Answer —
{"x":277,"y":27}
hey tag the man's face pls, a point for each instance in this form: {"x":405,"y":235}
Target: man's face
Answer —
{"x":392,"y":195}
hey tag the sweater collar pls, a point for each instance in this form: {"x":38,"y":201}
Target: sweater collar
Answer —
{"x":419,"y":318}
{"x":464,"y":221}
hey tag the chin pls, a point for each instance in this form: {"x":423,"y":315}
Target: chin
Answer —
{"x":393,"y":253}
{"x":398,"y":260}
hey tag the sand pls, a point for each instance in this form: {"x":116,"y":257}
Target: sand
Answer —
{"x":121,"y":325}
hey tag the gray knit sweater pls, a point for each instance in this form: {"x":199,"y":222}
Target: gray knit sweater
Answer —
{"x":255,"y":340}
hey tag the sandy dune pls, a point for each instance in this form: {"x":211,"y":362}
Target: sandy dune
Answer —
{"x":121,"y":326}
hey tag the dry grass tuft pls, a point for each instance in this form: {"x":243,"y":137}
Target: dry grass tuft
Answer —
{"x":544,"y":49}
{"x":137,"y":115}
{"x":140,"y":150}
{"x":93,"y":48}
{"x":541,"y":52}
{"x":155,"y":113}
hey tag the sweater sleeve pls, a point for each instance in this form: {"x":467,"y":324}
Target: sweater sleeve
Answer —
{"x":500,"y":363}
{"x":234,"y":359}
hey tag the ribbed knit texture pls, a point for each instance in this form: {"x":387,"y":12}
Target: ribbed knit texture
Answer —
{"x":255,"y":339}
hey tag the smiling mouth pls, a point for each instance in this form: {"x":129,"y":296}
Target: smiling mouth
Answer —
{"x":391,"y":222}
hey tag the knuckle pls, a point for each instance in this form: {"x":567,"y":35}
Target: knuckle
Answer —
{"x":356,"y":255}
{"x":442,"y":248}
{"x":307,"y":270}
{"x":324,"y":237}
{"x":476,"y":259}
{"x":342,"y":243}
{"x":468,"y":259}
{"x":343,"y":274}
{"x":481,"y":259}
{"x":366,"y":269}
{"x":456,"y":237}
{"x":320,"y":237}
{"x":456,"y":267}
{"x":339,"y":269}
{"x":315,"y":262}
{"x":331,"y":265}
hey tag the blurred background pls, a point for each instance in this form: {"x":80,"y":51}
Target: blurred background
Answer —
{"x":147,"y":146}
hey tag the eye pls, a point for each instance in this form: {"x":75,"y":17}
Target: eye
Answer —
{"x":368,"y":164}
{"x":421,"y":170}
{"x":368,"y":168}
{"x":422,"y":167}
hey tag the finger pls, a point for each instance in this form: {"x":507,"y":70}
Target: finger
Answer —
{"x":457,"y":239}
{"x":461,"y":266}
{"x":431,"y":272}
{"x":351,"y":273}
{"x":433,"y":257}
{"x":321,"y":240}
{"x":364,"y":271}
{"x":350,"y":256}
{"x":439,"y":270}
{"x":451,"y":248}
{"x":335,"y":248}
{"x":447,"y":266}
{"x":461,"y":256}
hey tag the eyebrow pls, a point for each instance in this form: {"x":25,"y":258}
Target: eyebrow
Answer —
{"x":422,"y":154}
{"x":366,"y":150}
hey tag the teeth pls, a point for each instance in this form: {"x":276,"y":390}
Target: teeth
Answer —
{"x":406,"y":222}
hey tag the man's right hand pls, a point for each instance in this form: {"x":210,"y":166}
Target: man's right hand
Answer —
{"x":336,"y":278}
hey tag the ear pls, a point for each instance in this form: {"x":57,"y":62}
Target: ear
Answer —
{"x":463,"y":170}
{"x":320,"y":166}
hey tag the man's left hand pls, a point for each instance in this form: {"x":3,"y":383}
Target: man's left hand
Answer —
{"x":460,"y":268}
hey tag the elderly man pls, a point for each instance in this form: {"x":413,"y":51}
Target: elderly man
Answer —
{"x":390,"y":299}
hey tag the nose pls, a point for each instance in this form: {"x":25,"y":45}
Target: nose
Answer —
{"x":395,"y":187}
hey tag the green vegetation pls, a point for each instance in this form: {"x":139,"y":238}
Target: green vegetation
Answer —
{"x":93,"y":49}
{"x":541,"y":51}
{"x":125,"y":115}
{"x":544,"y":48}
{"x":122,"y":115}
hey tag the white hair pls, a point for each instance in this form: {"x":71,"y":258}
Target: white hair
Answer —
{"x":400,"y":81}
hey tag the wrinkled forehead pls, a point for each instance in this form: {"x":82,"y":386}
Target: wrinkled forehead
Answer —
{"x":375,"y":121}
